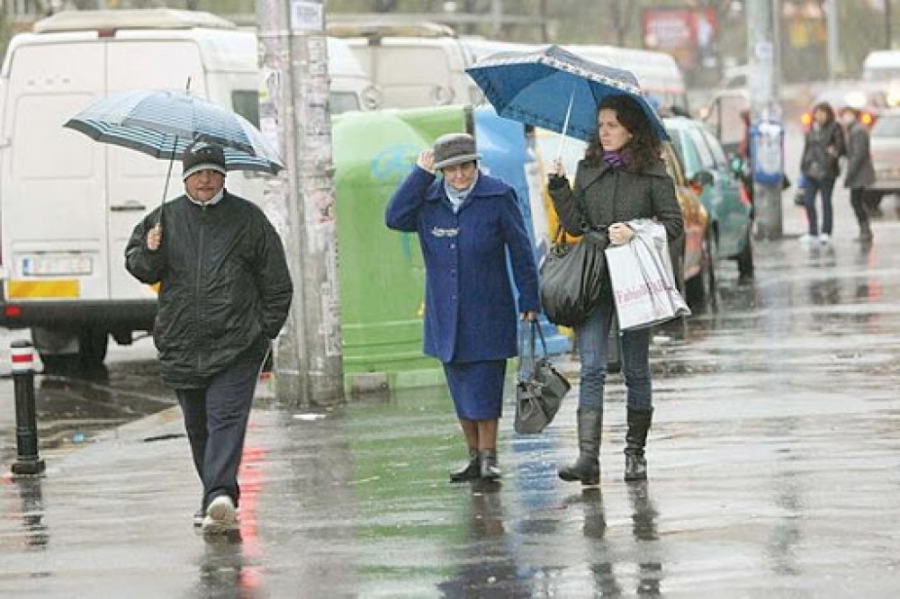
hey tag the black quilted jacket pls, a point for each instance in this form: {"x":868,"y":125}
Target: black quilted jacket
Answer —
{"x":224,"y":285}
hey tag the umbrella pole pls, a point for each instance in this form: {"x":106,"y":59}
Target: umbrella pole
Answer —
{"x":562,"y":143}
{"x":162,"y":202}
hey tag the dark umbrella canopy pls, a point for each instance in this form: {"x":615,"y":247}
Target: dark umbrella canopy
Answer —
{"x":555,"y":89}
{"x":163,"y":123}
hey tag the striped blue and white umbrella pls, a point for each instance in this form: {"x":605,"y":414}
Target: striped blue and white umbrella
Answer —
{"x":164,"y":123}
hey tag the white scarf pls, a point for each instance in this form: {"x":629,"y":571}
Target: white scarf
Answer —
{"x":458,"y":196}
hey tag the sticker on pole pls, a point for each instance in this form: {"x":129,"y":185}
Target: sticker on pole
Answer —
{"x":307,"y":16}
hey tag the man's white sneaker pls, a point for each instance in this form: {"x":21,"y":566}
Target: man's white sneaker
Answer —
{"x":220,"y":516}
{"x":807,"y":238}
{"x":825,"y":238}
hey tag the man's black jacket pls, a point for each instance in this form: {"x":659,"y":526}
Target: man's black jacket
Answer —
{"x":224,"y":284}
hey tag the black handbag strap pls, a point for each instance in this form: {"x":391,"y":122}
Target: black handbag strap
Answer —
{"x":536,"y":326}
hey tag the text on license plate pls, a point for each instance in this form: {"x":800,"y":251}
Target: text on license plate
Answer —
{"x":47,"y":265}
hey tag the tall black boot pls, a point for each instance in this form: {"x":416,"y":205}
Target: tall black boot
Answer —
{"x":489,"y":468}
{"x":471,"y":471}
{"x":587,"y":467}
{"x":635,"y":440}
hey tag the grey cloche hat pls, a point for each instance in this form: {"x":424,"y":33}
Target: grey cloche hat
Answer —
{"x":201,"y":156}
{"x":454,"y":148}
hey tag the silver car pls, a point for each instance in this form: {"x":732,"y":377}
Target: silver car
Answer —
{"x":885,"y":149}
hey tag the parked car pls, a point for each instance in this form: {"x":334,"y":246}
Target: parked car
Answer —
{"x":885,"y":150}
{"x":706,"y":164}
{"x":697,"y":272}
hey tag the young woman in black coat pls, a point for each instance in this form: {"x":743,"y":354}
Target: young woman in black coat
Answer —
{"x":819,"y":164}
{"x":622,"y":177}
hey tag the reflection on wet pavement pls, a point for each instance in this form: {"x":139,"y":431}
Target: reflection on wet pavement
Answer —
{"x":774,"y":464}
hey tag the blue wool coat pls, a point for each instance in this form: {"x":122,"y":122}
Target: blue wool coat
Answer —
{"x":470,"y":309}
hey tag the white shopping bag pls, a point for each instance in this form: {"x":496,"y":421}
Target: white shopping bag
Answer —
{"x":642,"y":280}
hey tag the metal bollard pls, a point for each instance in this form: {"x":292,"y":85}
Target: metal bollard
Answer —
{"x":28,"y":461}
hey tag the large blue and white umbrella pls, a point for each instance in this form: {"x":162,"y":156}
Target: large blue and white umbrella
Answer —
{"x":164,"y":123}
{"x":555,"y":89}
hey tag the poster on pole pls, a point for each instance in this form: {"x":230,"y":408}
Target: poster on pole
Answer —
{"x":307,"y":16}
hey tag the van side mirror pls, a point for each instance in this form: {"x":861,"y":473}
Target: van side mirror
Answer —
{"x":372,"y":97}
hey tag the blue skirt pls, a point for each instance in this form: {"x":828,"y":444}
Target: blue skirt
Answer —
{"x":477,"y":388}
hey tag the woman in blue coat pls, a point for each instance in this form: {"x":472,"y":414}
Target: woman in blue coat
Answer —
{"x":466,"y":221}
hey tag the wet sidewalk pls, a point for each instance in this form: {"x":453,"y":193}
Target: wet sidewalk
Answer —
{"x":774,"y":471}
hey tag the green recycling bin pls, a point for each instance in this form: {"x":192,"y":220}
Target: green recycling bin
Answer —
{"x":382,"y":276}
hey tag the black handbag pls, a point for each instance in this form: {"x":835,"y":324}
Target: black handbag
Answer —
{"x":572,"y":276}
{"x":540,"y":389}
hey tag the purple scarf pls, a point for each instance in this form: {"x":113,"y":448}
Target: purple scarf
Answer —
{"x":616,"y":159}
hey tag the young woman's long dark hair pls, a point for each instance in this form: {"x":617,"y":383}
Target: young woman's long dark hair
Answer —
{"x":827,"y":109}
{"x":644,"y":148}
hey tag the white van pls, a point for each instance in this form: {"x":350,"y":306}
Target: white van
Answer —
{"x":884,"y":66}
{"x":67,"y":203}
{"x":411,"y":66}
{"x":351,"y":87}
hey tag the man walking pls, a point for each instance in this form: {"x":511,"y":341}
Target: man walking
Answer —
{"x":224,"y":293}
{"x":860,"y":170}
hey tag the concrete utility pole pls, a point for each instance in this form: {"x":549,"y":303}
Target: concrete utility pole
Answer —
{"x":497,"y":19}
{"x":833,"y":30}
{"x":765,"y":107}
{"x":888,"y":42}
{"x":294,"y":114}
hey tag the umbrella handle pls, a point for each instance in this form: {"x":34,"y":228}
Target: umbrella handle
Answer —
{"x":562,"y":143}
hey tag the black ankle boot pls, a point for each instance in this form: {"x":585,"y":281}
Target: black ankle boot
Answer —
{"x":587,"y":467}
{"x":865,"y":233}
{"x":489,"y":468}
{"x":635,"y":440}
{"x":471,"y":471}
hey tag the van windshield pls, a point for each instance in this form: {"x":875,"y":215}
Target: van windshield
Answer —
{"x":344,"y":102}
{"x":246,"y":103}
{"x":881,"y":73}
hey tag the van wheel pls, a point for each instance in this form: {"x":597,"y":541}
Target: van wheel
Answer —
{"x":92,"y":345}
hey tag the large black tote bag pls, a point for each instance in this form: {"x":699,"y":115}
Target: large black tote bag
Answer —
{"x":572,"y":276}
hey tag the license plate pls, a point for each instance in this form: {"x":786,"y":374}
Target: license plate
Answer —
{"x":49,"y":265}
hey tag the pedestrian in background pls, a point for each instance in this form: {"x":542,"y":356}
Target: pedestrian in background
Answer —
{"x":745,"y":259}
{"x":823,"y":147}
{"x":860,"y":170}
{"x":621,"y":177}
{"x":224,"y":294}
{"x":466,"y":222}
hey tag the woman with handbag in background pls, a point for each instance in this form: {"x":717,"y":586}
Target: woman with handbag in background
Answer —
{"x":822,"y":149}
{"x":466,"y":221}
{"x":621,"y":177}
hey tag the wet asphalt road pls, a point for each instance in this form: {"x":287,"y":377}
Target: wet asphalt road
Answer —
{"x":774,"y":471}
